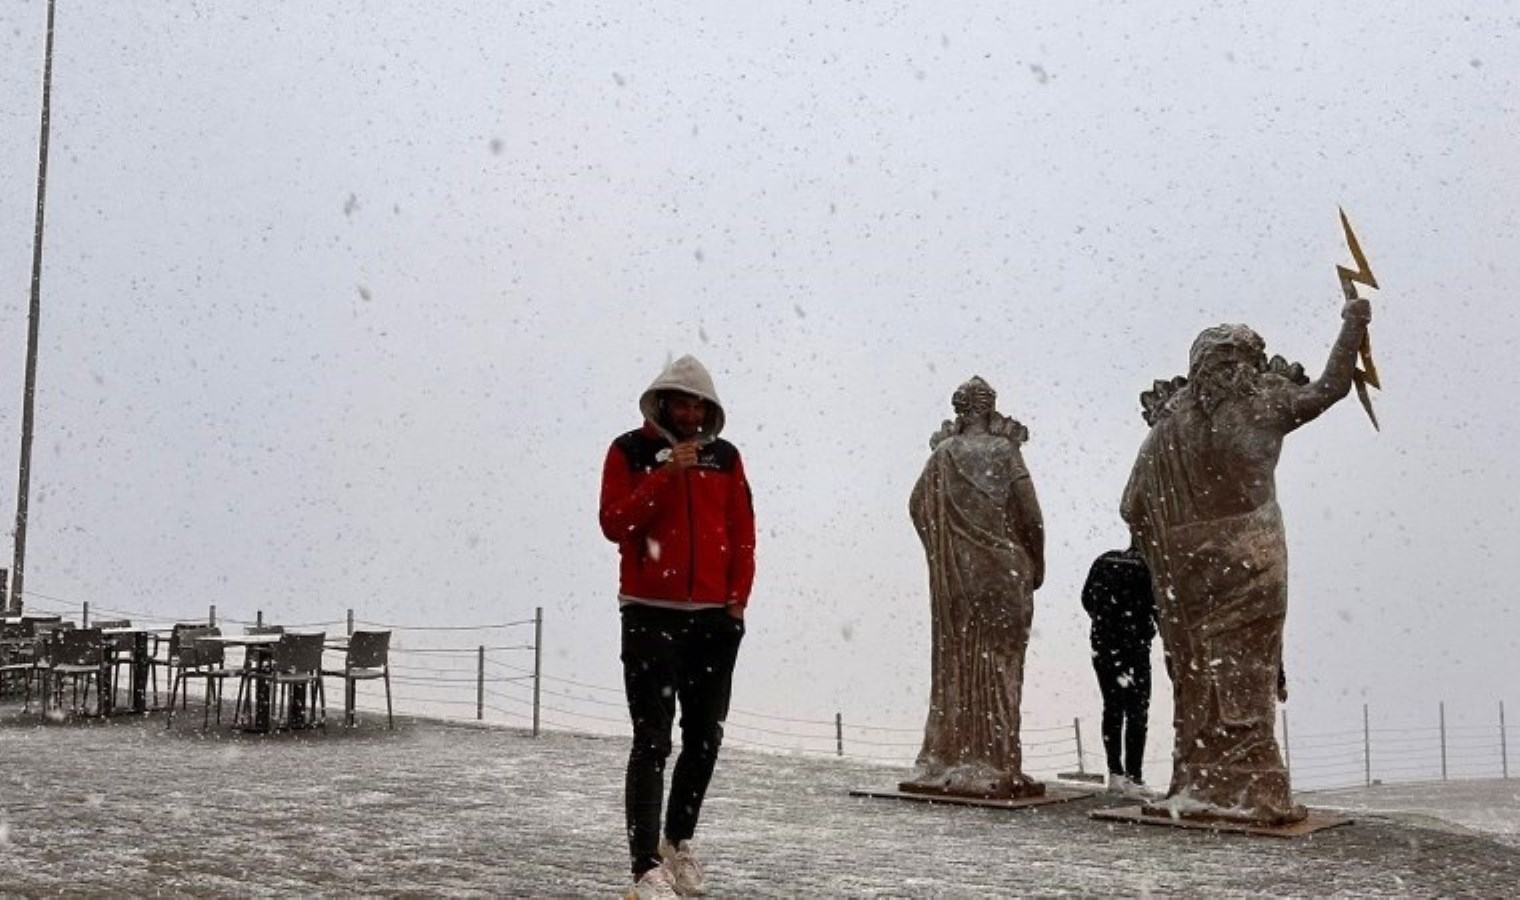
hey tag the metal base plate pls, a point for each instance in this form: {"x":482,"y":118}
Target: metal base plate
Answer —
{"x":1316,"y":821}
{"x":1050,"y":796}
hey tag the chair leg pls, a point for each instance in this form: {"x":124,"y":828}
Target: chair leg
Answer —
{"x":390,"y":720}
{"x":173,"y":687}
{"x":206,"y":714}
{"x":237,"y":704}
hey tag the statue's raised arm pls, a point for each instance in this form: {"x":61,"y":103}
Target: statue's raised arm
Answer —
{"x":1304,"y":403}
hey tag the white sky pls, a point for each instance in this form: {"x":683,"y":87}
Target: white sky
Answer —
{"x":344,"y":301}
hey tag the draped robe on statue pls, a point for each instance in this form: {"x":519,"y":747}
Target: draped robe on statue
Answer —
{"x":981,"y":583}
{"x":1221,"y":597}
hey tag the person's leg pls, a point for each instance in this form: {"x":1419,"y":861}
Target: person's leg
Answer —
{"x":1137,"y":710}
{"x":707,"y":669}
{"x":1107,"y":670}
{"x":649,"y":679}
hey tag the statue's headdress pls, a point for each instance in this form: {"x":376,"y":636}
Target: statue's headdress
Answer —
{"x":975,"y":396}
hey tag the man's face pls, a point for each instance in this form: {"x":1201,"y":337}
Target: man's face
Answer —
{"x":686,"y":415}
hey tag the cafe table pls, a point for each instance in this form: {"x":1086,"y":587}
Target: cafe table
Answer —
{"x":259,"y":649}
{"x":142,"y":662}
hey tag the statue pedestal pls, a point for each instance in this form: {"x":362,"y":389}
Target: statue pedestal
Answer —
{"x":1017,"y":790}
{"x":1150,"y":815}
{"x":1042,"y":799}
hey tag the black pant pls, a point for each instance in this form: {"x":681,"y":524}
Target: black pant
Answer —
{"x":671,"y":655}
{"x":1124,"y":677}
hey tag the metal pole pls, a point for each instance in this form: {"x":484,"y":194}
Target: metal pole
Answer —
{"x":258,"y":618}
{"x":1503,"y":742}
{"x":84,"y":615}
{"x":839,"y":734}
{"x":1443,"y":740}
{"x":1366,"y":745}
{"x":211,"y":616}
{"x":1076,"y":725}
{"x":1287,"y":754}
{"x":480,"y":685}
{"x":29,"y":393}
{"x":538,"y":661}
{"x":350,"y":623}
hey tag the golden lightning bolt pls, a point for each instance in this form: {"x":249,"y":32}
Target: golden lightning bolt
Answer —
{"x":1350,"y":278}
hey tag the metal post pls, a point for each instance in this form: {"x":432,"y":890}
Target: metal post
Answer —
{"x":84,"y":615}
{"x":839,"y":734}
{"x":350,"y":623}
{"x":538,"y":661}
{"x":211,"y":616}
{"x":1366,"y":745}
{"x":29,"y":392}
{"x":1443,"y":740}
{"x":1076,"y":725}
{"x":258,"y":618}
{"x":480,"y":685}
{"x":1287,"y":754}
{"x":1503,"y":742}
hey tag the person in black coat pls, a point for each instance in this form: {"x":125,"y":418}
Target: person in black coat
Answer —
{"x":1117,"y":596}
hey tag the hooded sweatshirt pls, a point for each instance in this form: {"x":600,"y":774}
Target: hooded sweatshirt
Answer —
{"x":686,"y":539}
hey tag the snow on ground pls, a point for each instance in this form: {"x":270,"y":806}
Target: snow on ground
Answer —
{"x":1490,"y":806}
{"x":126,"y":808}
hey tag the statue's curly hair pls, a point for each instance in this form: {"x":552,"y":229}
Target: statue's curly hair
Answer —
{"x":1155,"y":404}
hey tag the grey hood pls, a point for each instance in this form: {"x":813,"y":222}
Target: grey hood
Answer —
{"x":689,"y":377}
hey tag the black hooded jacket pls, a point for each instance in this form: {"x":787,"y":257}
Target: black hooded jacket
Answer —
{"x":1117,"y":595}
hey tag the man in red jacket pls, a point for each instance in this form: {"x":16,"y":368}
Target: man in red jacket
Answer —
{"x":676,"y":502}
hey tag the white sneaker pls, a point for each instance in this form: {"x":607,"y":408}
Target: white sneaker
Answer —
{"x":1136,"y":790}
{"x":685,"y":868}
{"x":653,"y":885}
{"x":1117,"y":784}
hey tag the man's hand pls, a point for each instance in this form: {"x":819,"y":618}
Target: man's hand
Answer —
{"x":736,"y":612}
{"x":683,"y":455}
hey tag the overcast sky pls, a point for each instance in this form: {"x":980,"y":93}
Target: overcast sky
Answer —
{"x":343,"y":303}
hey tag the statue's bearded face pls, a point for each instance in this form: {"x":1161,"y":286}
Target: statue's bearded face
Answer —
{"x":1231,"y":378}
{"x":1227,"y":362}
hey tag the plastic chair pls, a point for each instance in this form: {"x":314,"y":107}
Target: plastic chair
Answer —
{"x":77,"y":654}
{"x":18,"y":652}
{"x":297,"y":660}
{"x":367,"y":658}
{"x":201,"y":659}
{"x":170,"y":660}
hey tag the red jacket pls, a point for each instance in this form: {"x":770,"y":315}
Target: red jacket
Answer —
{"x":682,"y":536}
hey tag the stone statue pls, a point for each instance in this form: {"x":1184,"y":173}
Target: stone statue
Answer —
{"x":1202,"y":503}
{"x":975,"y":511}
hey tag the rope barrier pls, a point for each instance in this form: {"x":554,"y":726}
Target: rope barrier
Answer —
{"x":445,"y":627}
{"x":1331,"y":756}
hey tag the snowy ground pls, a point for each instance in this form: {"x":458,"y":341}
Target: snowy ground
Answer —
{"x":1489,"y":806}
{"x":127,"y":809}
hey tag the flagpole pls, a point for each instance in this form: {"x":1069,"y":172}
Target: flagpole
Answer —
{"x":18,"y":567}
